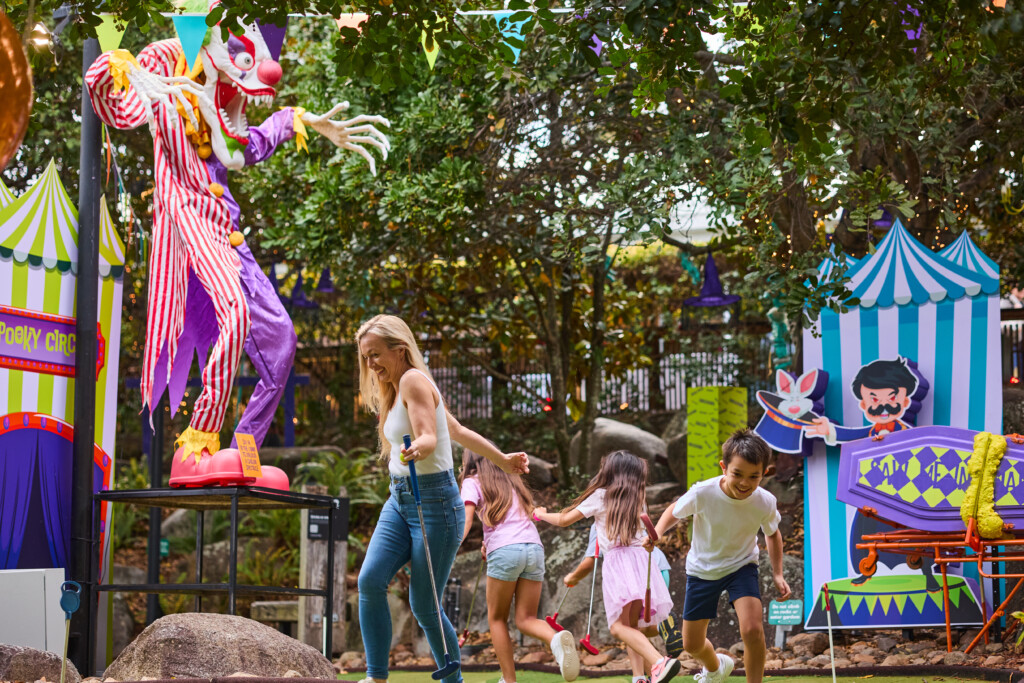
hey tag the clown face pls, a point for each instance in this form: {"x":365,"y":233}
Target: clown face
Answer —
{"x":238,"y":72}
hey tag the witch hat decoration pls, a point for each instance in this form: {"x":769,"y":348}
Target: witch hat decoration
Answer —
{"x":299,"y":298}
{"x":326,"y":285}
{"x":711,"y":293}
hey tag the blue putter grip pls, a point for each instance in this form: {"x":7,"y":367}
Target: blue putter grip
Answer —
{"x":70,"y":597}
{"x":412,"y":470}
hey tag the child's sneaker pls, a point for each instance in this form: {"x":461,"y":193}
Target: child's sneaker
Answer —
{"x":664,"y":669}
{"x":670,"y":632}
{"x":725,"y":667}
{"x":563,"y":647}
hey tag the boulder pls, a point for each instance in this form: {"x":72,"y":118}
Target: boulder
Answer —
{"x":29,"y":664}
{"x":676,"y":453}
{"x":180,"y":523}
{"x":675,"y":427}
{"x":213,"y":645}
{"x":808,"y":644}
{"x":658,"y":494}
{"x":541,"y":475}
{"x":611,"y":435}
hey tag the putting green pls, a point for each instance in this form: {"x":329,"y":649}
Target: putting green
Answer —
{"x":535,"y":677}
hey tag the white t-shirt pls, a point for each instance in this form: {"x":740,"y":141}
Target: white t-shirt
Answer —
{"x":593,"y":506}
{"x":724,"y":534}
{"x":398,"y":424}
{"x":659,"y":558}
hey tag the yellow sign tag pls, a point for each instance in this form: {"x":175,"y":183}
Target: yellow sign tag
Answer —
{"x":249,"y":455}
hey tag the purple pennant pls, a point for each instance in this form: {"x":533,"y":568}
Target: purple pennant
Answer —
{"x":596,"y":45}
{"x":911,"y":25}
{"x":273,"y":36}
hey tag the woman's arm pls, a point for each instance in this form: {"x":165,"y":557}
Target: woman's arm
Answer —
{"x":470,"y":514}
{"x":421,"y":403}
{"x":558,"y":518}
{"x":513,"y":463}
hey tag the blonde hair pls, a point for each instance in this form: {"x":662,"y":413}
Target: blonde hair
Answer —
{"x":380,"y":399}
{"x":500,"y":490}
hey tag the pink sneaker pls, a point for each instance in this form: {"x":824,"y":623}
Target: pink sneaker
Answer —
{"x":664,"y":669}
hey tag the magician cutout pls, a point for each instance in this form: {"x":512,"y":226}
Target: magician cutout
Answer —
{"x":889,"y":393}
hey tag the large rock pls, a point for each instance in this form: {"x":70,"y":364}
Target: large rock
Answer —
{"x":541,"y":474}
{"x":609,"y":436}
{"x":213,"y":645}
{"x":676,"y":449}
{"x":676,"y":426}
{"x":28,"y":664}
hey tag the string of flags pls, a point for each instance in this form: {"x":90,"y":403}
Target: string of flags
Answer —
{"x":191,"y":31}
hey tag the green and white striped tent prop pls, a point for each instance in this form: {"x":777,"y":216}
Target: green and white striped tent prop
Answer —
{"x":6,"y":196}
{"x":38,"y":262}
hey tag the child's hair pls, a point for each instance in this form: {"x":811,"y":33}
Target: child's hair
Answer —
{"x":500,"y":489}
{"x":746,"y":444}
{"x":623,"y":476}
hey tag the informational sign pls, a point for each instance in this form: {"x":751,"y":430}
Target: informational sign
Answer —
{"x":165,"y":547}
{"x":788,"y":613}
{"x":41,"y":342}
{"x":316,"y":529}
{"x":249,"y":455}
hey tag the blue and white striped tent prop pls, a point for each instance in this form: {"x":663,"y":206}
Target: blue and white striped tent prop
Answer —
{"x":918,"y":305}
{"x":965,"y":253}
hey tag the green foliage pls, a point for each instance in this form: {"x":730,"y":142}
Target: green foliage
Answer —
{"x":130,"y":522}
{"x":276,"y":567}
{"x":356,"y":471}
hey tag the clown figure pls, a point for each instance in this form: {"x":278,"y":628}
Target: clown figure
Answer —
{"x":205,"y":287}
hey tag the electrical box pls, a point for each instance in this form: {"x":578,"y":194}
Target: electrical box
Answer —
{"x":33,"y":595}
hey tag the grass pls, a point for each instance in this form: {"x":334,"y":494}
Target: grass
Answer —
{"x":535,"y":677}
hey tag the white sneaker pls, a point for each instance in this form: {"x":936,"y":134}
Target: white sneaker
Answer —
{"x":563,"y":647}
{"x":725,"y":667}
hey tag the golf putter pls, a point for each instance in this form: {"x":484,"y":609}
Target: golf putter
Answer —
{"x":553,"y":619}
{"x":645,"y":518}
{"x":450,"y":666}
{"x":585,"y":640}
{"x":472,"y":601}
{"x":70,"y":599}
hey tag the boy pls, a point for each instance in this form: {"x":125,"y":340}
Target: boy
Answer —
{"x":727,"y":511}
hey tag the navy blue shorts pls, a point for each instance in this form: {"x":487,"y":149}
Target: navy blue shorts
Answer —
{"x":701,"y":600}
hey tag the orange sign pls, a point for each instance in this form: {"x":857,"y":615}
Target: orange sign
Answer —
{"x":249,"y":455}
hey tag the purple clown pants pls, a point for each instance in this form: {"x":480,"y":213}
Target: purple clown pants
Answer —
{"x":270,"y":346}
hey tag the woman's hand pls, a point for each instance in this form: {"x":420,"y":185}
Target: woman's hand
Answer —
{"x":514,"y":463}
{"x":414,"y":453}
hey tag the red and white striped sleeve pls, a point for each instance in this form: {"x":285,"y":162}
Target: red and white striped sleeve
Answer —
{"x":121,"y":106}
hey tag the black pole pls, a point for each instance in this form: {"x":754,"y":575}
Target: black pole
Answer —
{"x":155,"y":463}
{"x":81,"y":641}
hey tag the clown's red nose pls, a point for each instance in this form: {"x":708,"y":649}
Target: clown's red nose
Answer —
{"x":269,"y":72}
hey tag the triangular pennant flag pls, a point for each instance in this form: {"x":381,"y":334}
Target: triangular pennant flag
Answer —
{"x":510,"y":29}
{"x":918,"y":600}
{"x":872,"y":602}
{"x":936,"y":598}
{"x":273,"y":36}
{"x":855,"y":601}
{"x":431,"y":54}
{"x":954,"y":596}
{"x":352,"y":20}
{"x":901,"y":600}
{"x":886,"y":601}
{"x":191,"y":30}
{"x":108,"y":32}
{"x":839,"y":599}
{"x":596,"y":45}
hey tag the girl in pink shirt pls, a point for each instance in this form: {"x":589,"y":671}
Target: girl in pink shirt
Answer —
{"x":515,"y":562}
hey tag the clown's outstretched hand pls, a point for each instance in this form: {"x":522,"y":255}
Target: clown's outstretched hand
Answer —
{"x":352,"y":134}
{"x":152,"y":88}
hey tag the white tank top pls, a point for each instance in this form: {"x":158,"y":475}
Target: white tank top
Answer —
{"x":398,"y":424}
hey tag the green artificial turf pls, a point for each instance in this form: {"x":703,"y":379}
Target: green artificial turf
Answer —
{"x":535,"y":677}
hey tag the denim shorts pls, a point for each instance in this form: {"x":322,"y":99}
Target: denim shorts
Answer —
{"x":701,"y":599}
{"x":516,"y":561}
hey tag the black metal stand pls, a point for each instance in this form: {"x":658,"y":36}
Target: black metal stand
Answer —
{"x":235,"y":499}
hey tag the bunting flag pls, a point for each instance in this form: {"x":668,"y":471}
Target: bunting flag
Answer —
{"x":352,"y":21}
{"x":510,"y":29}
{"x":431,"y":52}
{"x":109,"y":32}
{"x":596,"y":45}
{"x":191,"y":30}
{"x":273,"y":36}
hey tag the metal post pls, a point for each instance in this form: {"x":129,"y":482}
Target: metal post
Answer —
{"x":233,"y":555}
{"x":289,"y":409}
{"x":155,"y":464}
{"x":329,"y":585}
{"x":200,"y":529}
{"x":81,"y":650}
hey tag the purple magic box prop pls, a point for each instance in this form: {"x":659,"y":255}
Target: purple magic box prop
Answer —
{"x":918,"y":477}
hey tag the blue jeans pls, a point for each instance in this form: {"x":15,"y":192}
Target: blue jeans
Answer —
{"x":397,"y":540}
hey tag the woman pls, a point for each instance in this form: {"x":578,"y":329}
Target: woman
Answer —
{"x":395,"y":383}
